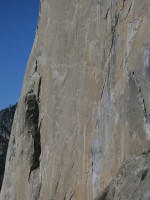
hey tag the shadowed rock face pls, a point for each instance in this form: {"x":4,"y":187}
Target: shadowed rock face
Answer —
{"x":6,"y":120}
{"x":84,"y":106}
{"x":131,"y":182}
{"x":31,"y":123}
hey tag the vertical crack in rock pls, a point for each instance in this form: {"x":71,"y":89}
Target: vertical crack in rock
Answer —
{"x":103,"y":88}
{"x":32,"y":118}
{"x":36,"y":66}
{"x":107,"y":12}
{"x":129,"y":10}
{"x":141,"y":99}
{"x":31,"y":121}
{"x":144,"y":174}
{"x":114,"y":26}
{"x":57,"y":184}
{"x":71,"y":198}
{"x":142,"y":102}
{"x":39,"y":87}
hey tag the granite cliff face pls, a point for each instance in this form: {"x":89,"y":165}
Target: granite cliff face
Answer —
{"x":84,"y":106}
{"x":131,"y":182}
{"x":6,"y":120}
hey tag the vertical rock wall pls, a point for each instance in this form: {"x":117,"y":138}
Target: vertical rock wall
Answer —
{"x":84,"y":105}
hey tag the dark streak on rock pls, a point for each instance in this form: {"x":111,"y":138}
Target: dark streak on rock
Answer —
{"x":31,"y":121}
{"x":103,"y":195}
{"x":129,"y":10}
{"x":36,"y":66}
{"x":140,"y":97}
{"x":144,"y":175}
{"x":39,"y":87}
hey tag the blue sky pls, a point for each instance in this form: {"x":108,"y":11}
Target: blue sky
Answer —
{"x":18,"y":21}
